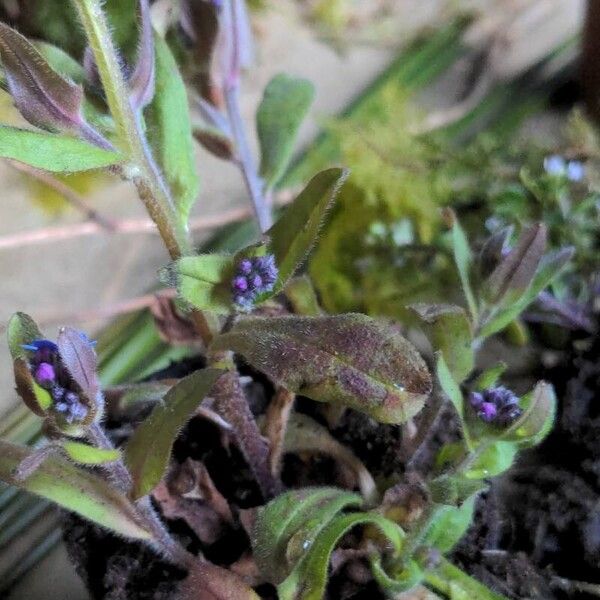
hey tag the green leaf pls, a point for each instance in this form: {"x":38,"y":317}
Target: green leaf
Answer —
{"x":283,"y":108}
{"x":537,"y":419}
{"x":493,"y":460}
{"x":490,"y":376}
{"x":303,"y":297}
{"x":203,"y":281}
{"x":394,"y":586}
{"x":450,"y":386}
{"x":309,"y":579}
{"x":450,"y":333}
{"x":349,"y":360}
{"x":23,"y":330}
{"x":463,"y":259}
{"x":457,"y":585}
{"x":84,"y":454}
{"x":52,"y":152}
{"x":550,"y":266}
{"x":169,"y":131}
{"x":287,"y":526}
{"x":148,"y":450}
{"x":450,"y":524}
{"x":295,"y":233}
{"x":75,"y":489}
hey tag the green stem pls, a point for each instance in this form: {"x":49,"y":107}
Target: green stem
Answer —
{"x":142,"y":170}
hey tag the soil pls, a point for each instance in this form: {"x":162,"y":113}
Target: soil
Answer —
{"x":536,"y":527}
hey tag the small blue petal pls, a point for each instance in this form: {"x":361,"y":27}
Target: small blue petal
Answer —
{"x":575,"y":171}
{"x":555,"y":165}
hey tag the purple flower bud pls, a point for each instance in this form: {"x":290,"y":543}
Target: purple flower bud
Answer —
{"x":45,"y":375}
{"x":476,"y":399}
{"x":487,"y":412}
{"x":245,"y":267}
{"x":256,"y":282}
{"x":498,"y":405}
{"x":70,"y":406}
{"x":254,"y":276}
{"x":240,"y":284}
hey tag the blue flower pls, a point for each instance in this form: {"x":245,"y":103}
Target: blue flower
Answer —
{"x":555,"y":165}
{"x":48,"y":371}
{"x":253,"y":276}
{"x":573,"y":170}
{"x":496,"y":405}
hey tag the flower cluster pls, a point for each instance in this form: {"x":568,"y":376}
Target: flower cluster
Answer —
{"x":556,"y":165}
{"x":253,"y":277}
{"x":496,"y":405}
{"x":49,"y":373}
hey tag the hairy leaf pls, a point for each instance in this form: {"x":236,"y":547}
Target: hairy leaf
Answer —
{"x":148,"y":450}
{"x":84,"y":454}
{"x":493,"y":460}
{"x":549,"y":267}
{"x":78,"y":356}
{"x":141,"y":82}
{"x":287,"y":526}
{"x":75,"y":489}
{"x":450,"y":333}
{"x":309,"y":579}
{"x":295,"y":233}
{"x":537,"y":418}
{"x":169,"y":131}
{"x":283,"y":108}
{"x":456,"y":584}
{"x":450,"y":386}
{"x":463,"y":259}
{"x":22,"y":330}
{"x":350,"y":360}
{"x":203,"y":281}
{"x":54,"y":153}
{"x":42,"y":96}
{"x":303,"y":297}
{"x":450,"y":525}
{"x":516,"y":271}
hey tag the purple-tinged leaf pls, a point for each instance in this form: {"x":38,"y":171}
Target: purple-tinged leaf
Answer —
{"x":44,"y":98}
{"x":515,"y":273}
{"x":200,"y":22}
{"x":549,"y":267}
{"x":141,"y":82}
{"x":79,"y":358}
{"x":234,"y":50}
{"x":349,"y":360}
{"x":494,"y":250}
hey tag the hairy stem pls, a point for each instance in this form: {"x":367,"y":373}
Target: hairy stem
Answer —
{"x":245,"y":160}
{"x":244,"y":157}
{"x":162,"y":540}
{"x":142,"y":169}
{"x":232,"y":405}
